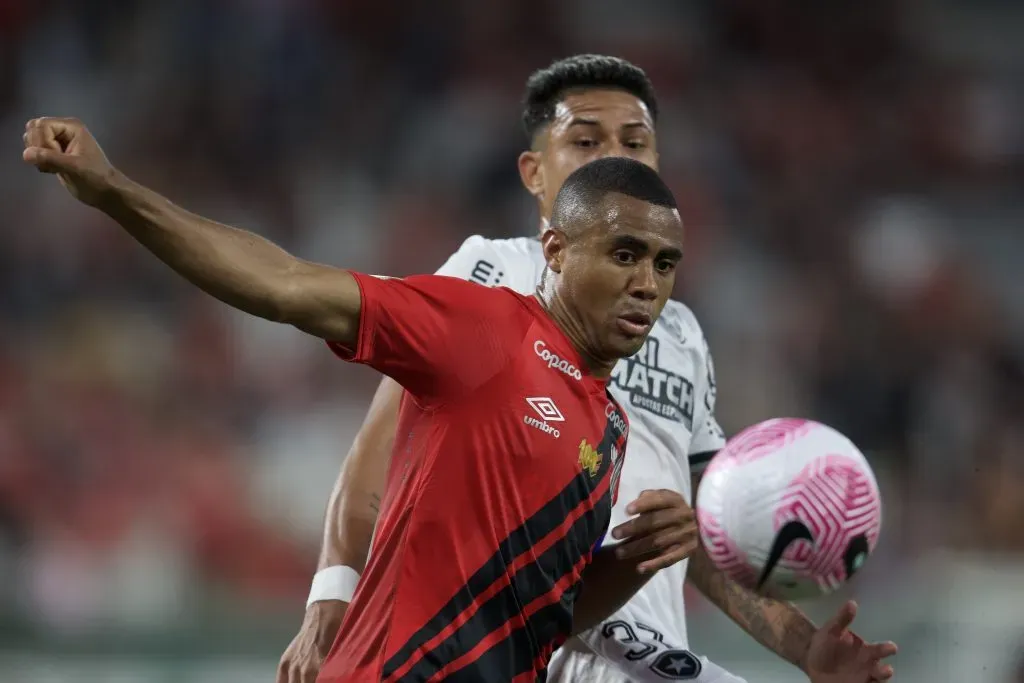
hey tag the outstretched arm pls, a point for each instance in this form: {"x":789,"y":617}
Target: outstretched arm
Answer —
{"x":348,"y":529}
{"x":356,"y":498}
{"x":238,"y":267}
{"x":779,"y":626}
{"x":830,"y":654}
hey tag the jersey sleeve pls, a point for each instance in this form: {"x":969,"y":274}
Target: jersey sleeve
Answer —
{"x":436,"y":336}
{"x":708,"y":437}
{"x":477,"y":260}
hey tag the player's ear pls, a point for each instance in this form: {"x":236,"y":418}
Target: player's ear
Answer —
{"x":531,"y":172}
{"x":554,"y":242}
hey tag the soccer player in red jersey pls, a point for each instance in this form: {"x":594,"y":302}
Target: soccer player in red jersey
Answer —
{"x":509,"y":446}
{"x":578,"y":109}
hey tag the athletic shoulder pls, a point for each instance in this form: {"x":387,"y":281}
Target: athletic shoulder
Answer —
{"x":515,"y":263}
{"x":707,"y":436}
{"x":682,"y":325}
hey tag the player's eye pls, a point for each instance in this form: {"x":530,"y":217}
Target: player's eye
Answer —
{"x":665,"y":266}
{"x":636,"y":144}
{"x":585,"y":143}
{"x":624,"y":257}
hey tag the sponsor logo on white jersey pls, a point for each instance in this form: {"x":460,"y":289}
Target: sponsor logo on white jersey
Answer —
{"x":486,"y":273}
{"x":555,"y":361}
{"x":548,"y":412}
{"x":653,"y":387}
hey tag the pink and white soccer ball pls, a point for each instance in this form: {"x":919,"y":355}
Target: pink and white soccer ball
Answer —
{"x":789,"y":508}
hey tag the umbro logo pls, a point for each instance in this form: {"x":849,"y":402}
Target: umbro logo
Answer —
{"x":546,"y":408}
{"x":548,"y":412}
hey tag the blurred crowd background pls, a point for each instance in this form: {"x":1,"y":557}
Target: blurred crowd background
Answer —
{"x":850,"y":175}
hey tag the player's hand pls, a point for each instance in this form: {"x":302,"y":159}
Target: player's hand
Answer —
{"x":663,"y":532}
{"x":838,"y":655}
{"x":304,"y":656}
{"x":65,"y":147}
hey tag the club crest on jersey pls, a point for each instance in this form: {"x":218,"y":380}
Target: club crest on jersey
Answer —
{"x":653,"y":388}
{"x":590,"y":459}
{"x":676,"y":665}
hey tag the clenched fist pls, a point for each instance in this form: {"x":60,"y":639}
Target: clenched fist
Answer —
{"x":65,"y":147}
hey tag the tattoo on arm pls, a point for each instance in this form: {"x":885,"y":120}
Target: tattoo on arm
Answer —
{"x":375,"y":503}
{"x":779,"y":626}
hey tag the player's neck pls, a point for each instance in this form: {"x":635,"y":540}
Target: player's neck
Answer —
{"x":574,"y":329}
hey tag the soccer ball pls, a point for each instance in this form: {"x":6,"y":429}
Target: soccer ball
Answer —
{"x":789,"y":508}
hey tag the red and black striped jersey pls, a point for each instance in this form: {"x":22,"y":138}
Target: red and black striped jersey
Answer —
{"x":504,"y":467}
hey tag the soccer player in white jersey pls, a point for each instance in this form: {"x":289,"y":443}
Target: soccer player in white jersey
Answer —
{"x":579,"y":109}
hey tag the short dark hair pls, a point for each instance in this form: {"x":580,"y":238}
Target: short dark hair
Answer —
{"x":546,"y":87}
{"x":590,"y":183}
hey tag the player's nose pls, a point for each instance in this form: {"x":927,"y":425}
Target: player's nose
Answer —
{"x":615,"y":150}
{"x":644,"y":283}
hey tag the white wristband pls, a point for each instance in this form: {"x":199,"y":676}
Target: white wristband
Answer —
{"x":333,"y":583}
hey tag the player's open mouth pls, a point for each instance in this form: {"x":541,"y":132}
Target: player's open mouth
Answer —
{"x":635,"y":324}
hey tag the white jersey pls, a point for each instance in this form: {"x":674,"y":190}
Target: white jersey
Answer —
{"x":668,"y":391}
